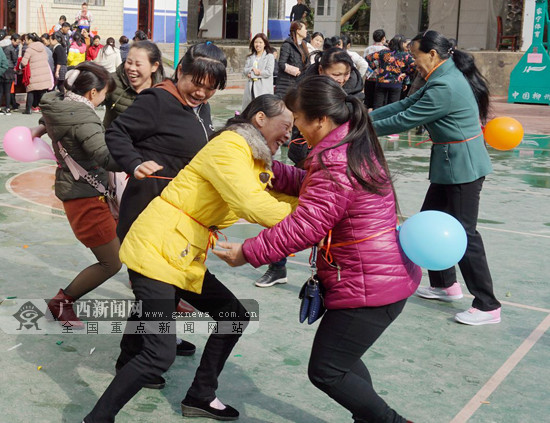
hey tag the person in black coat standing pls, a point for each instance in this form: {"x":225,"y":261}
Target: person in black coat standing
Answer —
{"x":299,"y":11}
{"x":293,"y":58}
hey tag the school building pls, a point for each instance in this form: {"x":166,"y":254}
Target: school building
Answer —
{"x":473,"y":23}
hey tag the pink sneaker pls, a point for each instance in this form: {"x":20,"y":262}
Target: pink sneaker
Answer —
{"x":454,"y":292}
{"x":476,"y":317}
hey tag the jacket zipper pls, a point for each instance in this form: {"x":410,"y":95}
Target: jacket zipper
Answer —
{"x":201,"y":121}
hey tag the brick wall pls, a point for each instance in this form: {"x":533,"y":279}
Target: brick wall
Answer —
{"x":107,"y":20}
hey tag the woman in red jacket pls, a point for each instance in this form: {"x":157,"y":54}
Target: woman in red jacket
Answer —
{"x":346,"y":192}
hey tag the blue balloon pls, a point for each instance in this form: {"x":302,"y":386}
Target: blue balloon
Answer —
{"x":433,"y":240}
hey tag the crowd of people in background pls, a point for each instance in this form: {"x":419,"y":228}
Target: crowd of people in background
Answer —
{"x":40,"y":62}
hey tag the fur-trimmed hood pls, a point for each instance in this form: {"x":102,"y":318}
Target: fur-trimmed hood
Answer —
{"x":256,"y":141}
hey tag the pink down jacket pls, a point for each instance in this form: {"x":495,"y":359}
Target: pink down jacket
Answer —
{"x":373,"y":272}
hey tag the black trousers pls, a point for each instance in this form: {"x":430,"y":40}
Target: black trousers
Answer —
{"x":335,"y":365}
{"x":369,"y":89}
{"x":33,"y":99}
{"x":462,"y":202}
{"x":5,"y":91}
{"x":144,"y":358}
{"x":384,"y":95}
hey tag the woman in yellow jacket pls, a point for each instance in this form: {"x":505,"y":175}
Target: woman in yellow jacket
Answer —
{"x":166,"y":247}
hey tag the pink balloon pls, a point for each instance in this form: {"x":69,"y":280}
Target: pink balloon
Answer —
{"x":18,"y":144}
{"x":42,"y":149}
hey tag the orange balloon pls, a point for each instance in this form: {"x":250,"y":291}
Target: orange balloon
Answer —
{"x":503,"y":133}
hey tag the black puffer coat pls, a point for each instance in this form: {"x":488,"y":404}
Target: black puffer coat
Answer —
{"x":155,"y":127}
{"x":290,"y":54}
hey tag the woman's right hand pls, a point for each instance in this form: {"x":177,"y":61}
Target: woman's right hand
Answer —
{"x":146,"y":169}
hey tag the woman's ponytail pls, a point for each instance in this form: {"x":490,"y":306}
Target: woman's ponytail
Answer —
{"x":466,"y":64}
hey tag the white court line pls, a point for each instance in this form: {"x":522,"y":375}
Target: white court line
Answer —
{"x":514,"y":232}
{"x":31,"y":210}
{"x":501,"y":374}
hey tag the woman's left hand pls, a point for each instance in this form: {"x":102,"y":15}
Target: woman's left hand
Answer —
{"x":38,"y":131}
{"x":231,"y":253}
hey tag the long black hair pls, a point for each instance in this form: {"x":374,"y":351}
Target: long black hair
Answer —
{"x":269,"y":104}
{"x":433,"y":40}
{"x":319,"y":96}
{"x":204,"y":61}
{"x":154,"y":55}
{"x":110,"y":43}
{"x":267,"y":47}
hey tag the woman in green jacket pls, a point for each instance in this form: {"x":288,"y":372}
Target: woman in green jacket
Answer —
{"x":141,"y":70}
{"x":450,"y":106}
{"x":70,"y":119}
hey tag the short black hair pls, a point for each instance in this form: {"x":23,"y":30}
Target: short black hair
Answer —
{"x":378,"y":35}
{"x":204,"y":60}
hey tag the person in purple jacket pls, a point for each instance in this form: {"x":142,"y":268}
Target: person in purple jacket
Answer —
{"x":345,"y":195}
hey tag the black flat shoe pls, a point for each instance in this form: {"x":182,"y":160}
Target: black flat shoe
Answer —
{"x":185,"y":348}
{"x":195,"y":408}
{"x":158,"y":383}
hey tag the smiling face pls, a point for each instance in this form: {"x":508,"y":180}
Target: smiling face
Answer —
{"x":340,"y":72}
{"x":276,"y":130}
{"x":194,"y":93}
{"x":259,"y":45}
{"x":139,"y":69}
{"x":425,"y":62}
{"x":314,"y":130}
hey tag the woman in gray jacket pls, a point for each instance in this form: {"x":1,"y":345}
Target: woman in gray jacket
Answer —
{"x":258,"y":69}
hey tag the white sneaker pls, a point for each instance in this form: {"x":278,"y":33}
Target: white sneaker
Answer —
{"x":452,"y":293}
{"x":476,"y":317}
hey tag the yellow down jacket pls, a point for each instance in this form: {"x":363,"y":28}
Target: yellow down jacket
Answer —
{"x":224,"y":182}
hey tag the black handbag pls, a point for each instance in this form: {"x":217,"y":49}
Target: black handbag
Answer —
{"x":311,"y":294}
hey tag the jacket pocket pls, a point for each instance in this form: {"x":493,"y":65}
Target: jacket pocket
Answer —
{"x":184,"y":244}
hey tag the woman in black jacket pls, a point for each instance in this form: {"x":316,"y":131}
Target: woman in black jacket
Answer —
{"x":293,"y":58}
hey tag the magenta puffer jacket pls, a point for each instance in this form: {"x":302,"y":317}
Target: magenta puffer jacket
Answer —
{"x":370,"y":273}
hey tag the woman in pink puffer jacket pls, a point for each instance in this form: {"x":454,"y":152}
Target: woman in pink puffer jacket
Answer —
{"x":345,"y":198}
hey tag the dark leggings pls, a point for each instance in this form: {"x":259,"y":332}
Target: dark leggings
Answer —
{"x":335,"y":365}
{"x":33,"y":99}
{"x":5,"y":90}
{"x":60,"y":86}
{"x":90,"y":278}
